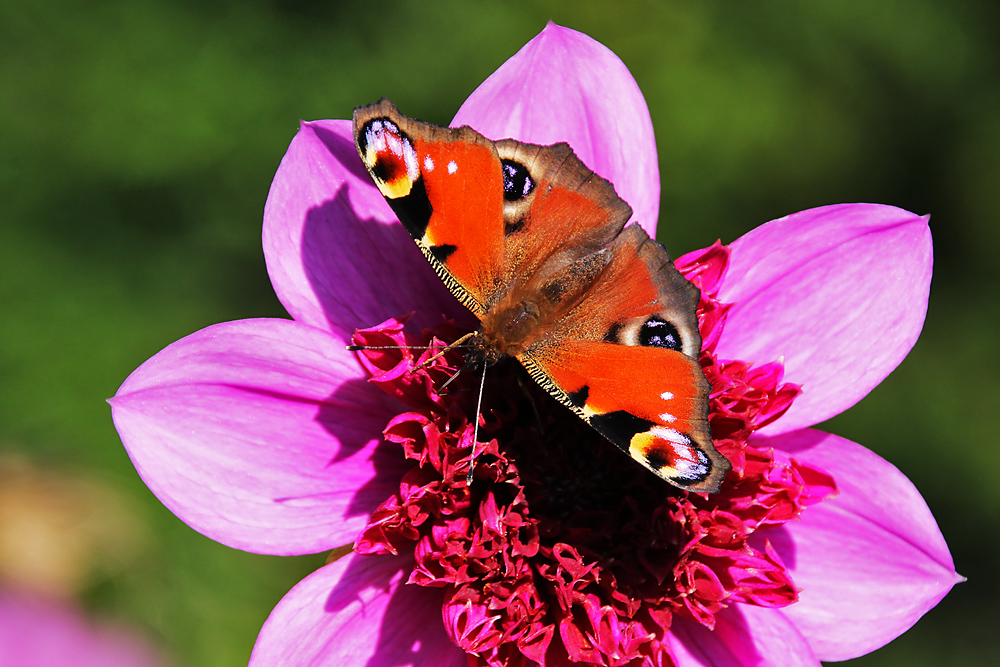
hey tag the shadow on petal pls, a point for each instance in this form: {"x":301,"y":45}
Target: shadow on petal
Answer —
{"x":366,"y":271}
{"x":343,"y":148}
{"x":780,"y":541}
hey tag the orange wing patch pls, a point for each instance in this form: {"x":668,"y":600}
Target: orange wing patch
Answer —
{"x":651,"y":402}
{"x":446,"y":187}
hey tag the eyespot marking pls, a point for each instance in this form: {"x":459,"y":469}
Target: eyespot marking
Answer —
{"x":517,"y":182}
{"x":672,"y":453}
{"x":657,"y":332}
{"x":670,"y":435}
{"x":389,"y":156}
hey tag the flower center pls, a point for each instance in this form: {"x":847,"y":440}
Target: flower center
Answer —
{"x":563,"y":549}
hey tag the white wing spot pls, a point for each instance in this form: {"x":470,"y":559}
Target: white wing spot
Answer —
{"x":428,"y":164}
{"x":666,"y":416}
{"x":452,"y":167}
{"x":411,"y":161}
{"x":670,"y":435}
{"x":691,"y":470}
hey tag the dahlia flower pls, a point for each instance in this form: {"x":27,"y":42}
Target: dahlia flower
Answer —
{"x":268,"y":435}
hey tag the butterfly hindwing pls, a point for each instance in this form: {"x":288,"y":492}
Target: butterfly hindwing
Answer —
{"x":649,"y":402}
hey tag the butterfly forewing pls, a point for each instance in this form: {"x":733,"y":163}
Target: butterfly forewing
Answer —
{"x":446,"y":187}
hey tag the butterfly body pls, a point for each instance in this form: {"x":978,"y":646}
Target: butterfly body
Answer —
{"x":518,"y":322}
{"x":536,"y":245}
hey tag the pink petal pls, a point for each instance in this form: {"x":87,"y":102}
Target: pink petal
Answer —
{"x":36,"y":632}
{"x":337,"y":256}
{"x":565,"y":86}
{"x":357,"y":611}
{"x":261,"y":434}
{"x":871,"y":561}
{"x":744,"y":636}
{"x":838,"y":292}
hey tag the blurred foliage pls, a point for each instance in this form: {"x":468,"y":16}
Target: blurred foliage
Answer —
{"x":140,"y":138}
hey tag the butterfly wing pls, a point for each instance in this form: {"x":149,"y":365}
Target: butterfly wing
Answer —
{"x":446,"y":187}
{"x":624,"y":359}
{"x":485,"y":214}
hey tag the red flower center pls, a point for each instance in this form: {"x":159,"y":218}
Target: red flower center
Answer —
{"x":564,"y":550}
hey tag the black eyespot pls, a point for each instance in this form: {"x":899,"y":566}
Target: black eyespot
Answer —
{"x":657,"y":332}
{"x":657,"y":460}
{"x":384,"y":171}
{"x":517,"y":182}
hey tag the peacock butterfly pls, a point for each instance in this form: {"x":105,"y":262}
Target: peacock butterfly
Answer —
{"x":535,"y":245}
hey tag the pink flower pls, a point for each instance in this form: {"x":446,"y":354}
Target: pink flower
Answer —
{"x":44,"y":632}
{"x":267,"y":435}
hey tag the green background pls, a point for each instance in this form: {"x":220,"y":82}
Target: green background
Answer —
{"x":138,"y":139}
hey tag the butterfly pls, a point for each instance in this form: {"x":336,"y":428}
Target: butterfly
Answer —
{"x":536,"y":245}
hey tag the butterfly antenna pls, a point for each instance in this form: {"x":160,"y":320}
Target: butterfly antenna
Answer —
{"x":441,"y":350}
{"x":358,"y":348}
{"x":444,"y":350}
{"x":475,"y":431}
